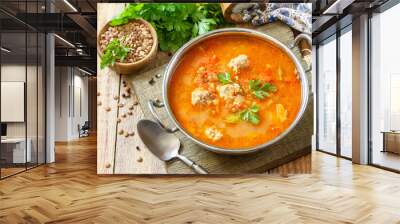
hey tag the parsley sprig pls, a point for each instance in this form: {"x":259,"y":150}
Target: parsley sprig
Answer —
{"x":260,"y":90}
{"x":224,"y":78}
{"x":175,"y":23}
{"x":114,"y":52}
{"x":249,"y":114}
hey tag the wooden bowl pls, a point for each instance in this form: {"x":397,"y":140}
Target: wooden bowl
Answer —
{"x":128,"y":68}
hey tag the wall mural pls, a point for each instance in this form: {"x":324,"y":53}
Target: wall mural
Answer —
{"x":204,"y":88}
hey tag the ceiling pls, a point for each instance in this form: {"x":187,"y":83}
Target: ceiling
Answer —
{"x":75,"y":21}
{"x":72,"y":20}
{"x":332,"y":15}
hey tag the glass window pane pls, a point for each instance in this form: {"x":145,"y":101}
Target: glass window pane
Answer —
{"x":385,"y":114}
{"x":23,"y":84}
{"x":32,"y":97}
{"x":327,"y":96}
{"x":346,"y":94}
{"x":32,"y":87}
{"x":13,"y":87}
{"x":15,"y":150}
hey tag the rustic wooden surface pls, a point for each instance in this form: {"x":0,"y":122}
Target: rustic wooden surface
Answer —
{"x":70,"y":191}
{"x":107,"y":87}
{"x":117,"y":152}
{"x":120,"y":154}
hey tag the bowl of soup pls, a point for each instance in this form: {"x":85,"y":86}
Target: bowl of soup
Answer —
{"x":234,"y":90}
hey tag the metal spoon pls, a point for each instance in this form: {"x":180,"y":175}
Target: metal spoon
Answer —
{"x":164,"y":145}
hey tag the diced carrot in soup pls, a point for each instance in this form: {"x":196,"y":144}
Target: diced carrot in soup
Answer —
{"x":253,"y":92}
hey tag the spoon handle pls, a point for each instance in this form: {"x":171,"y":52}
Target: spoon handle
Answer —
{"x":197,"y":168}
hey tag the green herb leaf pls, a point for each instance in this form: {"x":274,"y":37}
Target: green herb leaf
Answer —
{"x":205,"y":25}
{"x":129,"y":13}
{"x":114,"y":52}
{"x":260,"y":90}
{"x":260,"y":94}
{"x":224,"y":78}
{"x":268,"y":87}
{"x":251,"y":114}
{"x":175,"y":23}
{"x":254,"y":108}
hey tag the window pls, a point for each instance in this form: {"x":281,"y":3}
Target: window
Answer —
{"x":385,"y":89}
{"x":334,"y":106}
{"x":22,"y":76}
{"x":327,"y":96}
{"x":346,"y":92}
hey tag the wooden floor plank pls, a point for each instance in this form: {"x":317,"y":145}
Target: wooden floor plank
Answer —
{"x":70,"y":191}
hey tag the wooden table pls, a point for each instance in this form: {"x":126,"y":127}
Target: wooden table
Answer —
{"x":119,"y":152}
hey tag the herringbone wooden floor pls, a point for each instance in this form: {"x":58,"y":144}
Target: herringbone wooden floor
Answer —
{"x":69,"y":191}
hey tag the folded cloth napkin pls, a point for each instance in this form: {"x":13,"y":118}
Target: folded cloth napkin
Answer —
{"x":296,"y":15}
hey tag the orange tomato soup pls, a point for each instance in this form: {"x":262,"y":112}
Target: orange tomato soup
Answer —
{"x":235,"y":91}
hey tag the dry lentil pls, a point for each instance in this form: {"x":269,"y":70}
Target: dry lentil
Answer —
{"x":135,"y":35}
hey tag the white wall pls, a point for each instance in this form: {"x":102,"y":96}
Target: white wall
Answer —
{"x":50,"y":93}
{"x":360,"y":90}
{"x":61,"y":115}
{"x":80,"y":109}
{"x":69,"y":82}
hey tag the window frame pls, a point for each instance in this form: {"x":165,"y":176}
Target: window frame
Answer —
{"x":27,"y":29}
